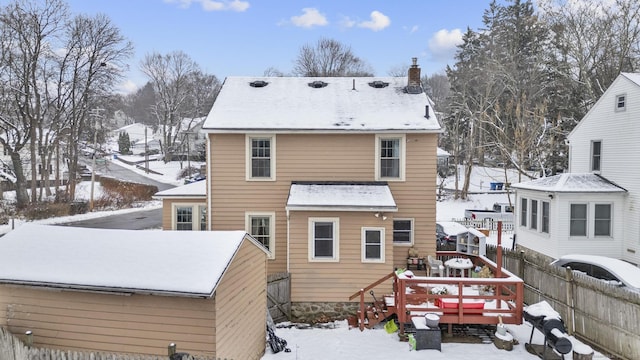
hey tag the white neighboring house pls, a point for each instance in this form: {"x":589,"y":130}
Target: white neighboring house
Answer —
{"x":593,"y":209}
{"x":58,"y":165}
{"x":137,"y":137}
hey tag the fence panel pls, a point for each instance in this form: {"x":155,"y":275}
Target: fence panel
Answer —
{"x":601,"y":313}
{"x":279,"y":296}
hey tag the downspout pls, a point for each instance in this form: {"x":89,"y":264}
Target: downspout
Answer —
{"x":208,"y":189}
{"x":288,"y":252}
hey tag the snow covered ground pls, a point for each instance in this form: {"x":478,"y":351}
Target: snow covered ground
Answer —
{"x":340,"y":342}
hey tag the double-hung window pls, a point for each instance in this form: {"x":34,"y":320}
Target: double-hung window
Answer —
{"x":324,"y":239}
{"x":261,"y":226}
{"x":596,"y":154}
{"x":545,"y":217}
{"x":372,"y":244}
{"x":523,"y":212}
{"x":534,"y":215}
{"x":403,"y":231}
{"x":261,"y":152}
{"x":578,"y":220}
{"x":602,"y":220}
{"x":390,"y":157}
{"x":190,"y":217}
{"x":621,"y":102}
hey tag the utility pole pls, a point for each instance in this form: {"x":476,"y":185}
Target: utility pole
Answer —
{"x":146,"y":151}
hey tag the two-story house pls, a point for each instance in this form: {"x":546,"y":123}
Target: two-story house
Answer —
{"x":594,"y":208}
{"x":335,"y":176}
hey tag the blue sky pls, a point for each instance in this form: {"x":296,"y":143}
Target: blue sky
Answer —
{"x":245,"y":37}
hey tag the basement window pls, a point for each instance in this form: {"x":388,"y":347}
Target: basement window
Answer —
{"x":258,"y":83}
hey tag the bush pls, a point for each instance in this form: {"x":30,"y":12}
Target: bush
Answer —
{"x":119,"y":194}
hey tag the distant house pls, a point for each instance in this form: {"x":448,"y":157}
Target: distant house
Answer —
{"x":334,"y":176}
{"x":141,"y":137}
{"x":135,"y":292}
{"x":443,"y":162}
{"x":593,"y":209}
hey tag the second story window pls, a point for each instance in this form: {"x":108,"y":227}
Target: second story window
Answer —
{"x":261,"y":227}
{"x":390,"y":157}
{"x":260,"y":158}
{"x":596,"y":153}
{"x":621,"y":102}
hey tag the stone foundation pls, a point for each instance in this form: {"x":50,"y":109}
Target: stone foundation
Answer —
{"x":314,"y":312}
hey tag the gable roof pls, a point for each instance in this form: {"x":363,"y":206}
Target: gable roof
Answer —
{"x":178,"y":263}
{"x":635,"y":77}
{"x":571,"y":182}
{"x":344,"y":104}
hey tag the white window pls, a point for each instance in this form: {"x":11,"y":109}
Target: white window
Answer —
{"x":602,"y":220}
{"x":190,"y":217}
{"x":596,"y":153}
{"x":545,"y":217}
{"x":324,"y":239}
{"x":260,"y":159}
{"x":372,"y":244}
{"x":523,"y":212}
{"x":390,"y":157}
{"x":403,"y":231}
{"x":578,"y":220}
{"x":262,"y":227}
{"x":621,"y":102}
{"x":533,"y":224}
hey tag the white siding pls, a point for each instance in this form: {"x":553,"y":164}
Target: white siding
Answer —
{"x":620,"y":134}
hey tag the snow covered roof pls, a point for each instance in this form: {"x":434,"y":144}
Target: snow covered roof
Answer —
{"x":635,"y":77}
{"x":343,"y":104}
{"x":180,"y":263}
{"x":341,"y":196}
{"x":442,"y":152}
{"x":194,"y":189}
{"x":571,"y":182}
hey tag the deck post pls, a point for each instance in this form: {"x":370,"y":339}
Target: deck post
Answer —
{"x":362,"y":310}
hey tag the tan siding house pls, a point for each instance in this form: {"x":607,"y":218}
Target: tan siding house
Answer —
{"x":120,"y":291}
{"x":334,"y":176}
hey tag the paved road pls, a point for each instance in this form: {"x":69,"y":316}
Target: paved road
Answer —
{"x":139,"y":220}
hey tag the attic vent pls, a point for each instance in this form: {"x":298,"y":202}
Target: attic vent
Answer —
{"x":378,"y":84}
{"x":258,"y":83}
{"x":318,"y":84}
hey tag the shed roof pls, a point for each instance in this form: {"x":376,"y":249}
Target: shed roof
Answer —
{"x":341,"y":196}
{"x":179,"y":263}
{"x":345,"y":104}
{"x":194,"y":189}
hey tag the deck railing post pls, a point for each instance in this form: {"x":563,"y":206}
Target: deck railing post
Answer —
{"x":362,"y":310}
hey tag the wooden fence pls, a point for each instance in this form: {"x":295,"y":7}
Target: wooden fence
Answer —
{"x":489,"y":224}
{"x":14,"y":348}
{"x":603,"y":314}
{"x":279,"y":296}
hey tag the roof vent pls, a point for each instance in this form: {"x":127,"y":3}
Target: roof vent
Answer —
{"x":258,"y":83}
{"x":318,"y":84}
{"x":378,"y":84}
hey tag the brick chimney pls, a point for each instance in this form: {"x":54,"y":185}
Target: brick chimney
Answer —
{"x":413,"y":85}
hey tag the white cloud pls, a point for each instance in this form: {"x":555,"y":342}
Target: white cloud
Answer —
{"x":443,"y":43}
{"x":412,"y":29}
{"x":378,"y":21}
{"x":212,"y":5}
{"x":346,"y":22}
{"x":311,"y":17}
{"x":128,"y":87}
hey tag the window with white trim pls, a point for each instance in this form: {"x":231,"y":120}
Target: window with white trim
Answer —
{"x":596,"y":154}
{"x":523,"y":212}
{"x":545,"y":217}
{"x":324,"y":239}
{"x":621,"y":102}
{"x":533,"y":224}
{"x":261,"y":151}
{"x":578,"y":220}
{"x":372,"y":244}
{"x":261,"y":225}
{"x":189,"y":217}
{"x":403,"y":231}
{"x":602,"y":220}
{"x":390,"y":157}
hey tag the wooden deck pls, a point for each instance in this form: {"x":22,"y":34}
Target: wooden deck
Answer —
{"x":413,"y":296}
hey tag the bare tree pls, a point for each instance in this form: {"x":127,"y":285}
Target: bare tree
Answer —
{"x":27,"y":26}
{"x":329,"y":58}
